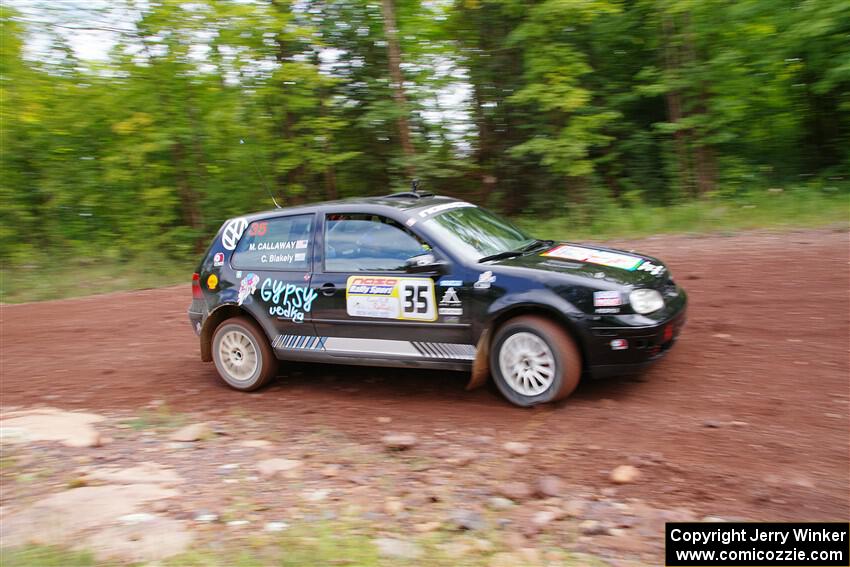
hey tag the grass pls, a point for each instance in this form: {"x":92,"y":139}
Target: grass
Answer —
{"x":306,"y":545}
{"x":757,"y":210}
{"x":772,"y":209}
{"x":161,"y":417}
{"x":75,"y":278}
{"x":45,"y":556}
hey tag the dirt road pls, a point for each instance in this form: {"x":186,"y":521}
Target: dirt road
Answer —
{"x":747,"y":417}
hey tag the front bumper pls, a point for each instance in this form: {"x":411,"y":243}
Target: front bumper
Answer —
{"x":618,"y":351}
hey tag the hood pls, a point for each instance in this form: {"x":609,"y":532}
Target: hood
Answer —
{"x":593,"y":262}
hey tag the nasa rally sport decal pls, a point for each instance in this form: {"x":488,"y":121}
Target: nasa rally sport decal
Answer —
{"x":391,"y":298}
{"x":600,"y":257}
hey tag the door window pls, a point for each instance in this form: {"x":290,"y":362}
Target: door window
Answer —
{"x":365,"y":242}
{"x":281,"y":243}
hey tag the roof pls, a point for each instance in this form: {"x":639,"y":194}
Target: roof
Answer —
{"x":399,"y":201}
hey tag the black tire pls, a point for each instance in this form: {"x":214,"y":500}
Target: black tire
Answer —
{"x":255,"y":376}
{"x":551,"y":378}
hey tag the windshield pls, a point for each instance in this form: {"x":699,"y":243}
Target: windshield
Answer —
{"x":477,"y":233}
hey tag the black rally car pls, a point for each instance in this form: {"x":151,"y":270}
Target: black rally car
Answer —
{"x":418,"y":280}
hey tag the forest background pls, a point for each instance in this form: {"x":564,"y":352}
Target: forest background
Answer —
{"x":122,"y":120}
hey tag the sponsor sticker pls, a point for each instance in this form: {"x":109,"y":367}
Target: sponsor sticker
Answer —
{"x":452,"y":311}
{"x":218,"y":259}
{"x":449,"y":298}
{"x":450,"y":303}
{"x":451,"y":283}
{"x":437,"y":209}
{"x":232,"y":233}
{"x":391,"y":298}
{"x":608,"y":310}
{"x":600,"y":257}
{"x":212,"y":281}
{"x":247,"y":286}
{"x":607,"y":299}
{"x":654,"y":269}
{"x":287,"y":300}
{"x":484,"y":280}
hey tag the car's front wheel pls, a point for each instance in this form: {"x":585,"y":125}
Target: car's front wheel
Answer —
{"x":242,"y":355}
{"x":534,"y":361}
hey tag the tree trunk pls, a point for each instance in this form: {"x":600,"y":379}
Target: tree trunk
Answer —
{"x":675,"y":107}
{"x":394,"y":51}
{"x":484,"y":148}
{"x":189,"y":209}
{"x":704,"y":154}
{"x":285,"y":180}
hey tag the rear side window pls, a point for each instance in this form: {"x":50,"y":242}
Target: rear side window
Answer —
{"x":275,"y":244}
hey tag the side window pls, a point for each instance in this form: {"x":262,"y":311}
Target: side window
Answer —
{"x":364,"y":242}
{"x":275,"y":244}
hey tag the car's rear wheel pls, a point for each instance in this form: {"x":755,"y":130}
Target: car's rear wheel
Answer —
{"x":242,"y":355}
{"x":534,"y":361}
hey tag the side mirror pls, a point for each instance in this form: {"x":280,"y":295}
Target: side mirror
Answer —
{"x":424,"y":263}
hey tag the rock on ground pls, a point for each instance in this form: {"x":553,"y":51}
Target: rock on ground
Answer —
{"x":468,"y":520}
{"x":152,"y":473}
{"x":150,"y":541}
{"x":550,"y":486}
{"x":624,"y":474}
{"x":593,"y":527}
{"x":255,"y":444}
{"x":193,"y":432}
{"x":271,"y":467}
{"x":515,"y":490}
{"x":73,"y":429}
{"x":397,"y":548}
{"x":58,"y":519}
{"x":517,"y":449}
{"x":398,"y":441}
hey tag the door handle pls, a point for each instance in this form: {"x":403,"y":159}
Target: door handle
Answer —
{"x":328,"y":289}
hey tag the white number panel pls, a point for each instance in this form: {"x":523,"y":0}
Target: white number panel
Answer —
{"x":417,"y":299}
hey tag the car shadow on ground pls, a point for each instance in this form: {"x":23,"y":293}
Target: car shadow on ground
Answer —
{"x":380,"y":385}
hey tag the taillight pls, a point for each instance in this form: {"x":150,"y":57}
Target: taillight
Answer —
{"x":196,"y":286}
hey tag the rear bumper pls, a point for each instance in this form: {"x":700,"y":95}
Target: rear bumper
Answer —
{"x":196,"y":314}
{"x":619,"y":351}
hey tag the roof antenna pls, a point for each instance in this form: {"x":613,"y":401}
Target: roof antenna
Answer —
{"x":414,"y":185}
{"x":262,"y":179}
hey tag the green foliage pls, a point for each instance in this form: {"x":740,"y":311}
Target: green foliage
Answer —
{"x":586,"y":109}
{"x":45,"y":556}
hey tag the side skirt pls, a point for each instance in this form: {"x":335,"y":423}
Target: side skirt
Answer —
{"x":374,"y":352}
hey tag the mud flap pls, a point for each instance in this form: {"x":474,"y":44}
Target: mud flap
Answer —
{"x":481,"y":366}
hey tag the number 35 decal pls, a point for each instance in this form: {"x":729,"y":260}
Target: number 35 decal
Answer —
{"x":417,"y":299}
{"x":258,"y":229}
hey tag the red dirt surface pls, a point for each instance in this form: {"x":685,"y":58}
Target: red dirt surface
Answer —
{"x":746,"y":418}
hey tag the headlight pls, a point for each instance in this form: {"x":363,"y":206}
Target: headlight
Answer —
{"x":646,"y":300}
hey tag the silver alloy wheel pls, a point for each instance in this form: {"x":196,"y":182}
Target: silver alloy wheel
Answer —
{"x":527,"y":363}
{"x":238,"y":355}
